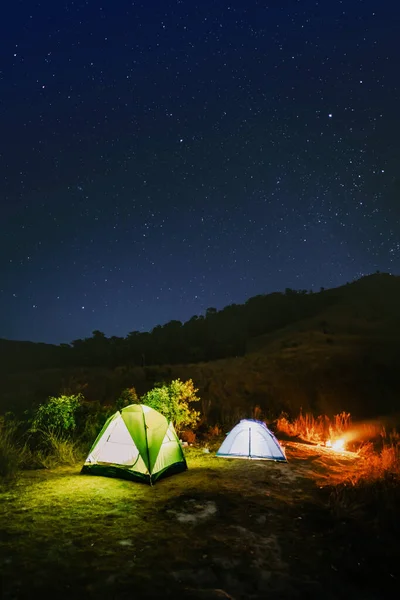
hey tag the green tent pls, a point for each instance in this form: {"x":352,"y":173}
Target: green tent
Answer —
{"x":137,"y":443}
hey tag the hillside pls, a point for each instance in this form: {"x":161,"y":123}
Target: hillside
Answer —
{"x":342,"y":354}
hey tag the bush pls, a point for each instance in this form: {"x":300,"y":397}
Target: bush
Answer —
{"x":173,"y":401}
{"x":187,"y":435}
{"x":127,"y":397}
{"x":90,"y":418}
{"x":53,"y":425}
{"x":214,"y":431}
{"x":57,"y":415}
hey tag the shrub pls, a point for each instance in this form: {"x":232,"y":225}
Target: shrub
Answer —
{"x":189,"y":436}
{"x":53,"y":424}
{"x":90,"y":418}
{"x":173,"y":401}
{"x":214,"y":431}
{"x":57,"y":415}
{"x":127,"y":397}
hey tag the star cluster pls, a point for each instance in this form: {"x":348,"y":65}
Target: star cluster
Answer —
{"x":162,"y":157}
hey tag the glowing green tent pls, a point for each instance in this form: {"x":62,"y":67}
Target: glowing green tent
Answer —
{"x":137,"y":443}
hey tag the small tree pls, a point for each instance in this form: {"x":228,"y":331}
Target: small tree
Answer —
{"x":173,"y":401}
{"x":57,"y":415}
{"x":128,"y":396}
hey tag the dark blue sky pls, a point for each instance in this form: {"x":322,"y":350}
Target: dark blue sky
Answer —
{"x":158,"y":158}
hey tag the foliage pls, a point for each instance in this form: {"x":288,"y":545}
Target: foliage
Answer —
{"x":57,"y":415}
{"x":174,"y":401}
{"x":187,"y":435}
{"x":50,"y":441}
{"x":128,"y":396}
{"x":90,"y":417}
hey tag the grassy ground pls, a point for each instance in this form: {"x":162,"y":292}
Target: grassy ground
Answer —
{"x":224,"y":529}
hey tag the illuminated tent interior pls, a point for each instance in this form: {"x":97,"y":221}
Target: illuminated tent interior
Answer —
{"x":137,"y":443}
{"x":251,"y":439}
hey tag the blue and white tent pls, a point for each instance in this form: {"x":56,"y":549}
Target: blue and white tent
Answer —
{"x":251,"y":439}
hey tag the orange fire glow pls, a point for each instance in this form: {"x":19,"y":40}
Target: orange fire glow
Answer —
{"x":338,"y":445}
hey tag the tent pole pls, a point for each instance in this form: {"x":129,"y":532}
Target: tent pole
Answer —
{"x":147,"y":445}
{"x":249,"y":442}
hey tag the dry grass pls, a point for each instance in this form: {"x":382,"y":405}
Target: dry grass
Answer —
{"x":315,"y":429}
{"x":370,"y":493}
{"x":381,"y":463}
{"x":362,"y":485}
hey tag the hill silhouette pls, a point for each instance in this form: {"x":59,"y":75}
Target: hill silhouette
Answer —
{"x":337,"y":349}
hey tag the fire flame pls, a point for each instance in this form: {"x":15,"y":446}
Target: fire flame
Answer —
{"x":337,"y":445}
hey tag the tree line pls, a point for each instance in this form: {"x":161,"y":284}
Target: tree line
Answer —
{"x":215,"y":335}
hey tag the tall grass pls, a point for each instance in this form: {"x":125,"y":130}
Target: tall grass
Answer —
{"x":56,"y":449}
{"x":379,"y":463}
{"x":43,"y":449}
{"x":314,"y":429}
{"x":10,"y":453}
{"x":371,"y":491}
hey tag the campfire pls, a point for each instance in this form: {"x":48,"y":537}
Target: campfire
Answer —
{"x":337,"y":445}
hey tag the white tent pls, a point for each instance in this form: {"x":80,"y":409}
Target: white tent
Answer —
{"x":251,"y":439}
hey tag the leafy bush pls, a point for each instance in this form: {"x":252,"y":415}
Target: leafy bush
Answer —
{"x":173,"y":401}
{"x":51,"y":431}
{"x":127,"y":397}
{"x":90,"y":418}
{"x":57,"y":415}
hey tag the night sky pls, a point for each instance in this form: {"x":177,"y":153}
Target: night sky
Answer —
{"x":165,"y":156}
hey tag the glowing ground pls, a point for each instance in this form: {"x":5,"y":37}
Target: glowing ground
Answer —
{"x":224,"y":529}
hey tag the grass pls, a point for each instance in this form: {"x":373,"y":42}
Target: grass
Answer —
{"x":41,"y":449}
{"x":236,"y":526}
{"x":315,"y":429}
{"x":57,"y":450}
{"x":374,"y":487}
{"x":10,"y":452}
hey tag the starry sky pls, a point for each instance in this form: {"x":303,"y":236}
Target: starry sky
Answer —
{"x":161,"y":157}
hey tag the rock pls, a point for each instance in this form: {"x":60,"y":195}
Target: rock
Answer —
{"x":125,"y":543}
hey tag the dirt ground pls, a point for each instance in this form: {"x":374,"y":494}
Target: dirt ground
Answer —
{"x":224,"y":529}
